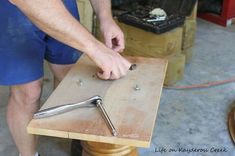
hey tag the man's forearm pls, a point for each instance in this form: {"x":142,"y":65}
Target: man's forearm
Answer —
{"x":102,"y":9}
{"x":52,"y":17}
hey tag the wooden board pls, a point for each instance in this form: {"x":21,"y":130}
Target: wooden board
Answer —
{"x":132,"y":112}
{"x":85,"y":13}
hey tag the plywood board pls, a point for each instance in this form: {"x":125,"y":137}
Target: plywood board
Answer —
{"x":132,"y":112}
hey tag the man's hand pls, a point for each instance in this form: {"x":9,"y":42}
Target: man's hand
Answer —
{"x":113,"y":36}
{"x":112,"y":64}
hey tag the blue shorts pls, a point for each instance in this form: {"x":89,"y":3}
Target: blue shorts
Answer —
{"x":23,"y":47}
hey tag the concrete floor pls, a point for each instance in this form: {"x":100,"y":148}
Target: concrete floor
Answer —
{"x":186,"y":119}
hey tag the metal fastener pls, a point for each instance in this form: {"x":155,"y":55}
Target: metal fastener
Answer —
{"x":137,"y":88}
{"x":133,"y":67}
{"x":80,"y":83}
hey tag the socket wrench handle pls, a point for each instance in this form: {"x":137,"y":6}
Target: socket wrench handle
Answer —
{"x":66,"y":107}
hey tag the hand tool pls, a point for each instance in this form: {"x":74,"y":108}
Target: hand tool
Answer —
{"x":91,"y":102}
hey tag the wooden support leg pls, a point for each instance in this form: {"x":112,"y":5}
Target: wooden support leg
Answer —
{"x":103,"y":149}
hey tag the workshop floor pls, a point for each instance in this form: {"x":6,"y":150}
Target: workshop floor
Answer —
{"x":187,"y":119}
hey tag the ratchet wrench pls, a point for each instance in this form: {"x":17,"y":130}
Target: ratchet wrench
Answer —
{"x":91,"y":102}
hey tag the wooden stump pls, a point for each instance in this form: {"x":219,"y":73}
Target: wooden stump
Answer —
{"x":104,"y":149}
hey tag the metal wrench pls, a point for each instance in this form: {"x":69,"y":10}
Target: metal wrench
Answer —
{"x":91,"y":102}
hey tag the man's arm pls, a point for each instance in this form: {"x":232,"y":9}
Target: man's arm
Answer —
{"x":102,"y":9}
{"x":113,"y":35}
{"x":52,"y":17}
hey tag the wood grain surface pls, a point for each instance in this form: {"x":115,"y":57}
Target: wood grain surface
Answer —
{"x":132,"y":112}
